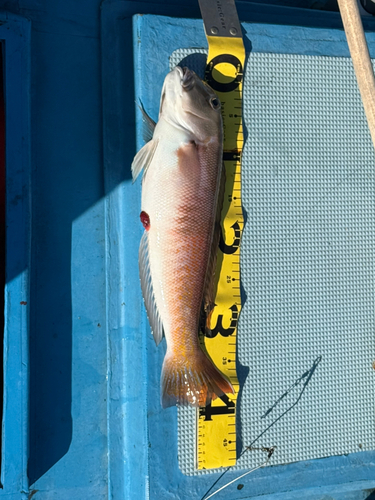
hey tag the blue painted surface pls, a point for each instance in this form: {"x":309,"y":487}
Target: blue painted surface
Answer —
{"x":80,"y":344}
{"x":15,"y":32}
{"x":339,"y":477}
{"x":58,"y":447}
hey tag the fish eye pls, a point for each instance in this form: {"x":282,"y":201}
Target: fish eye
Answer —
{"x":215,"y":103}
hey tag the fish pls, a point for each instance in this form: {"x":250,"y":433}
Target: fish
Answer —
{"x":182,"y":180}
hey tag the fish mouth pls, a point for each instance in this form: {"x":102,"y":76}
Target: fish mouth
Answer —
{"x":187,"y":77}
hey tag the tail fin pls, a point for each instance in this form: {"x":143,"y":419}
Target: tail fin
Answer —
{"x":191,"y":381}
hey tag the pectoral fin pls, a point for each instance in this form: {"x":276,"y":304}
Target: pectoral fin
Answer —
{"x":143,"y":158}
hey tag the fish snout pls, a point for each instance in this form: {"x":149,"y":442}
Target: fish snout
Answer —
{"x":187,"y":78}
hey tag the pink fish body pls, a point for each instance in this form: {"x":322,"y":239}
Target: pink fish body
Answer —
{"x":180,"y":190}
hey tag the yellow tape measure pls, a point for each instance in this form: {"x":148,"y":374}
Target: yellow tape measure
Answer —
{"x":216,"y":423}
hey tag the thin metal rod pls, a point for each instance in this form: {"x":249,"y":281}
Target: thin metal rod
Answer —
{"x":270,"y":453}
{"x":361,"y":58}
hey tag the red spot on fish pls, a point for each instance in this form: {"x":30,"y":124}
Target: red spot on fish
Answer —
{"x":23,"y":303}
{"x":145,"y":219}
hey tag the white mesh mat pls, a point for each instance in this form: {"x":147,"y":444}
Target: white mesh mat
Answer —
{"x":306,"y":335}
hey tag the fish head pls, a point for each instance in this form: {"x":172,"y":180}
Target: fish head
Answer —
{"x":189,"y":103}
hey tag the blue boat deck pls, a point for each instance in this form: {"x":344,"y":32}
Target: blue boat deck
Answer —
{"x":81,"y":414}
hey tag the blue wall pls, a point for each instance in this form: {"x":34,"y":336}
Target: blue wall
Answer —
{"x":67,"y":449}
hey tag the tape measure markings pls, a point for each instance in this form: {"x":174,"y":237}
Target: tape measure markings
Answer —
{"x":216,"y":426}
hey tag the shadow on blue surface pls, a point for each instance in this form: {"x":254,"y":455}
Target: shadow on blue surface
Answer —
{"x":51,"y":339}
{"x":123,"y":144}
{"x":242,"y":373}
{"x":66,"y":184}
{"x":51,"y":355}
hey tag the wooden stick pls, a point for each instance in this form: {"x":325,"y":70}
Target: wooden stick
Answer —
{"x":361,"y":58}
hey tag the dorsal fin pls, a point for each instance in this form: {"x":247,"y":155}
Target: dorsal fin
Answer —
{"x":148,"y":123}
{"x":148,"y":290}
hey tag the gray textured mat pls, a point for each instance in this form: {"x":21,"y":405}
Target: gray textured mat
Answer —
{"x":307,"y":329}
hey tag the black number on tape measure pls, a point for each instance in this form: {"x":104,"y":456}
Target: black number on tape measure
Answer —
{"x":231,"y":249}
{"x":220,"y":86}
{"x":224,"y":332}
{"x":234,"y":155}
{"x":208,"y":411}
